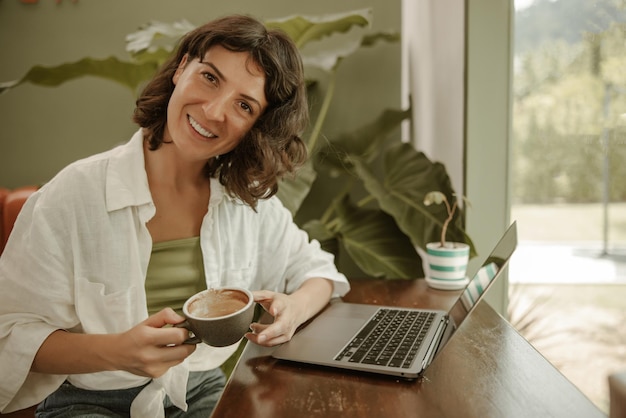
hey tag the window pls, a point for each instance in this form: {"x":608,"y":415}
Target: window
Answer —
{"x":568,"y":280}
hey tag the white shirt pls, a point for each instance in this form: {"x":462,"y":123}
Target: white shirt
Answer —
{"x":77,"y":260}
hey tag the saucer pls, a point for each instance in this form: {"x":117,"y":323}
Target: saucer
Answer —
{"x":447,"y":285}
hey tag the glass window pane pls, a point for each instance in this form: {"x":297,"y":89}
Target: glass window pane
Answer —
{"x":568,"y":279}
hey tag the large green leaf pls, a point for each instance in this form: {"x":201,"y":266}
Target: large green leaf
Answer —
{"x":364,"y":142}
{"x":155,"y":41}
{"x":157,"y":35}
{"x":408,"y":176}
{"x":303,"y":29}
{"x":376,"y":244}
{"x":329,"y":57}
{"x":373,"y":38}
{"x":293,"y":190}
{"x":150,"y":46}
{"x":318,"y":230}
{"x":126,"y":73}
{"x":328,"y":239}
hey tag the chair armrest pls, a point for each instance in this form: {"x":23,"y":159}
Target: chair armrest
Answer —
{"x":11,"y":204}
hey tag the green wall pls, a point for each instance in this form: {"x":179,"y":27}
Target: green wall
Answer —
{"x":43,"y":129}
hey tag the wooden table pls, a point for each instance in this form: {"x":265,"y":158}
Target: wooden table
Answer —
{"x":486,"y":370}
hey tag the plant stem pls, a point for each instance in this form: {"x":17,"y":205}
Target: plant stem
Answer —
{"x":447,"y":221}
{"x":319,"y":122}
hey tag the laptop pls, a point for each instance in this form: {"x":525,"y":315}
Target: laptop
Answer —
{"x":391,"y":340}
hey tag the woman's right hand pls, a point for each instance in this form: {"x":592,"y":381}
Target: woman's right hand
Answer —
{"x":148,"y":349}
{"x":151,"y":347}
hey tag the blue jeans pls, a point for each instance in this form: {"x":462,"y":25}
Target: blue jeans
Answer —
{"x":203,"y":391}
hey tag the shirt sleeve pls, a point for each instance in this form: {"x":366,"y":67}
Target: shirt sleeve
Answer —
{"x":289,"y":257}
{"x":35,"y":301}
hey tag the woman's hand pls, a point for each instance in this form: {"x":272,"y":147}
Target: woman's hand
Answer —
{"x":289,"y":311}
{"x":151,"y":347}
{"x":287,"y":317}
{"x":148,"y":349}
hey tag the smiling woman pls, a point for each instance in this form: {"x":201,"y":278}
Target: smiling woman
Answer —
{"x":208,"y":115}
{"x":273,"y":130}
{"x":187,"y":204}
{"x":207,"y":104}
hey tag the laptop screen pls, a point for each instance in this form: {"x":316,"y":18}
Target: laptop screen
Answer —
{"x":484,"y":278}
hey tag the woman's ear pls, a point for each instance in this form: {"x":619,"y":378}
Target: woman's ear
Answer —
{"x":181,"y":67}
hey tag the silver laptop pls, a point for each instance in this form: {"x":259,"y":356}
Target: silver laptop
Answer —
{"x":391,"y":340}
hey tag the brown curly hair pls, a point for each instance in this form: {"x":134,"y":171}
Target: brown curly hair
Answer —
{"x":273,"y":147}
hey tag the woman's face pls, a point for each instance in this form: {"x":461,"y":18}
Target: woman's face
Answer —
{"x":214,"y":103}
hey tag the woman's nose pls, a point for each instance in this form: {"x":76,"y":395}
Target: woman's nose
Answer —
{"x":215,"y":108}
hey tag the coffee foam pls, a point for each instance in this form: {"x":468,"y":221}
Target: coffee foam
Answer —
{"x":217,"y":302}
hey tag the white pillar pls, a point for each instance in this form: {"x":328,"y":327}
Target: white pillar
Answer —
{"x":433,"y":74}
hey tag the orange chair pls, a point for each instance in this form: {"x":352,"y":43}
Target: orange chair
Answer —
{"x":4,"y":192}
{"x":22,"y":413}
{"x":11,"y":202}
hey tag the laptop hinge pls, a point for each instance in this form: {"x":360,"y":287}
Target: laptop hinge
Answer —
{"x":432,"y":349}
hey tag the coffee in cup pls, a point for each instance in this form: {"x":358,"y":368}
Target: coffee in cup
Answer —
{"x":217,"y":302}
{"x":218,"y":317}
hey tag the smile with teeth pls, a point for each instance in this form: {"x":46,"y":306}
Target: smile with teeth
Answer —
{"x":198,"y":128}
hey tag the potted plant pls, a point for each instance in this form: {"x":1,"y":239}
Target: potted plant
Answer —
{"x":361,"y":192}
{"x":447,"y":260}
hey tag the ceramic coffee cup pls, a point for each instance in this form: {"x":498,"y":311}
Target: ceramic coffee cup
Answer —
{"x":218,"y":317}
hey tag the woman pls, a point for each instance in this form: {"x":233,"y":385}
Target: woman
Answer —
{"x":103,"y":255}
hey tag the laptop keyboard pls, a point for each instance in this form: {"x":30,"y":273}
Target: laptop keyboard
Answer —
{"x":391,"y":338}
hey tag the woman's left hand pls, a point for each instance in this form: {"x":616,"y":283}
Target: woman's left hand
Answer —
{"x":289,"y":311}
{"x":287,"y":317}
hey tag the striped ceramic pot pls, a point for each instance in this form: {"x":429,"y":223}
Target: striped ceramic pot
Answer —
{"x":447,"y":265}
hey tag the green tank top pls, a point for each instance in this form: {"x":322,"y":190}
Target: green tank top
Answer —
{"x":175,"y":272}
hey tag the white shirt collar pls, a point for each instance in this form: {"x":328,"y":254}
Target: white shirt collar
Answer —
{"x":126,"y":180}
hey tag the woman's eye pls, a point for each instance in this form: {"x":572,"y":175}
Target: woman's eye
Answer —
{"x":210,"y":77}
{"x":246,"y":107}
